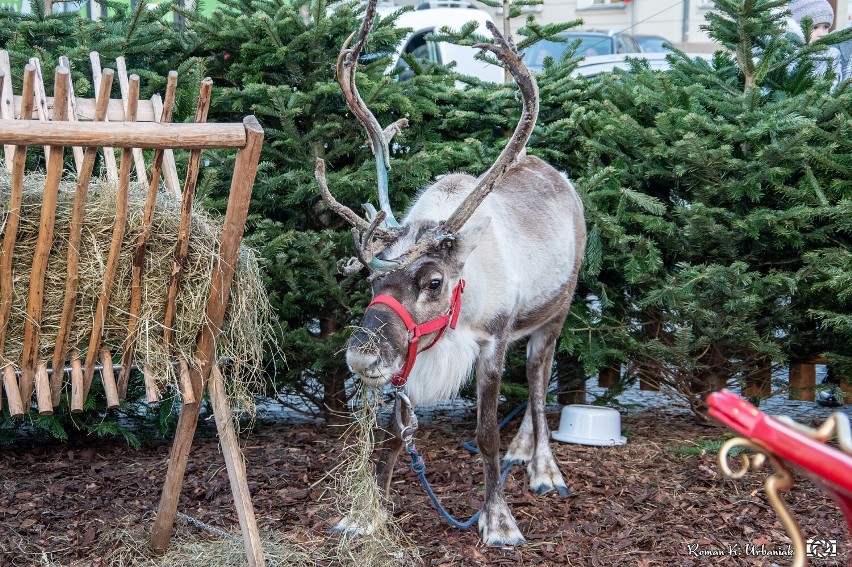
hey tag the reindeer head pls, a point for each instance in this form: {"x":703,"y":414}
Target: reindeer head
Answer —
{"x":415,"y":267}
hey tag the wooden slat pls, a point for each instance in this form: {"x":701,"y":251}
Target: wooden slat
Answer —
{"x":78,"y":397}
{"x":72,"y":277}
{"x":13,"y":220}
{"x":182,"y":245}
{"x":72,"y":115}
{"x":244,"y":173}
{"x":124,"y":84}
{"x":186,"y":390}
{"x":41,"y":99}
{"x":86,"y":108}
{"x":108,"y":378}
{"x":118,"y":228}
{"x":42,"y":382}
{"x":109,"y":154}
{"x":35,"y":300}
{"x":170,"y":176}
{"x":142,"y":135}
{"x":152,"y":391}
{"x":141,"y":244}
{"x":7,"y":104}
{"x":13,"y":394}
{"x":236,"y":465}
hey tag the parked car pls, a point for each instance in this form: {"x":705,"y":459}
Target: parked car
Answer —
{"x":428,"y":18}
{"x":597,"y":64}
{"x":651,"y":43}
{"x":592,"y":43}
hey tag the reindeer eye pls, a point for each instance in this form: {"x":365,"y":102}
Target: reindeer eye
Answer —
{"x":434,"y":284}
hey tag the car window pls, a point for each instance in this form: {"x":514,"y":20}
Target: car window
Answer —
{"x":626,"y":44}
{"x":590,"y":45}
{"x":649,"y":44}
{"x":422,"y":49}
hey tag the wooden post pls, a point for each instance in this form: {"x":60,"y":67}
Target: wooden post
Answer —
{"x":118,"y":228}
{"x":42,"y":382}
{"x":13,"y":394}
{"x":802,"y":381}
{"x":846,"y":388}
{"x":236,"y":466}
{"x":72,"y":115}
{"x":7,"y":104}
{"x":648,"y":383}
{"x":13,"y":220}
{"x":571,"y":379}
{"x":78,"y":380}
{"x":72,"y":278}
{"x":182,"y":245}
{"x":35,"y":300}
{"x":245,"y":170}
{"x":109,"y":154}
{"x":108,"y":377}
{"x":608,"y":376}
{"x":141,"y":245}
{"x":759,"y":383}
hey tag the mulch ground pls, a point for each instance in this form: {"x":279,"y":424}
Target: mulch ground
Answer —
{"x":639,"y":504}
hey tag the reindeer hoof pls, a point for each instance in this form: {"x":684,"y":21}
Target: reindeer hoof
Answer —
{"x":353,"y":528}
{"x":510,"y":460}
{"x":544,"y":488}
{"x":498,"y":528}
{"x":505,"y":539}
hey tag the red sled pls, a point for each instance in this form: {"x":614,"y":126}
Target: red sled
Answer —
{"x":782,"y":441}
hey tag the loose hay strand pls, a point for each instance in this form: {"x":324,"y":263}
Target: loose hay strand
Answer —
{"x":247,"y":323}
{"x":360,"y":499}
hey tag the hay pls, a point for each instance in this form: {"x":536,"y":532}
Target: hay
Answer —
{"x":130,"y":547}
{"x":361,"y":501}
{"x":246,"y":321}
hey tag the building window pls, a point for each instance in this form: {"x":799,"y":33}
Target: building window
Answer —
{"x":601,"y":3}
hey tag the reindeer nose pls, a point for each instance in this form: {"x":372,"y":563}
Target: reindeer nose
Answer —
{"x":360,"y":362}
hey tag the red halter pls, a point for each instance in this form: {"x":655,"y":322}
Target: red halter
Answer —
{"x":415,"y":331}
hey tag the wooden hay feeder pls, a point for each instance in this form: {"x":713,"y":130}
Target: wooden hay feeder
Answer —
{"x":60,"y":122}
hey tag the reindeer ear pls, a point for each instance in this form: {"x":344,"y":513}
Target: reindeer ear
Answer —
{"x":468,"y":239}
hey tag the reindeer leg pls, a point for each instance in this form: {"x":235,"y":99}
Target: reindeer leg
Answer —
{"x":522,"y":447}
{"x":497,"y":526}
{"x":542,"y":469}
{"x":391,"y":446}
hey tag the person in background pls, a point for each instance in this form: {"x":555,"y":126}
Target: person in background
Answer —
{"x":822,"y":17}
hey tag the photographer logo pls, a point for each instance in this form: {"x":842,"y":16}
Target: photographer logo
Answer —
{"x":821,"y":548}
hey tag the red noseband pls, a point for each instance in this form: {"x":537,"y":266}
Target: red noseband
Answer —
{"x":415,"y":331}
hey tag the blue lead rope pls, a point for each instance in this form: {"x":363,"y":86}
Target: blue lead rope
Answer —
{"x":418,"y":465}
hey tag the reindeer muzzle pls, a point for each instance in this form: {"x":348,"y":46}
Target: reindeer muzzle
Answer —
{"x":415,"y":331}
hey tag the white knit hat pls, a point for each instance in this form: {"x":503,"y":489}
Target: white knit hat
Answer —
{"x":819,"y":11}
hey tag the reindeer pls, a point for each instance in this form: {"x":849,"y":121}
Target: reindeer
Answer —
{"x":512,"y":240}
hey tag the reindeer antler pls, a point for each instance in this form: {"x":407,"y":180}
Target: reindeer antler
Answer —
{"x":347,"y":63}
{"x":507,"y":52}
